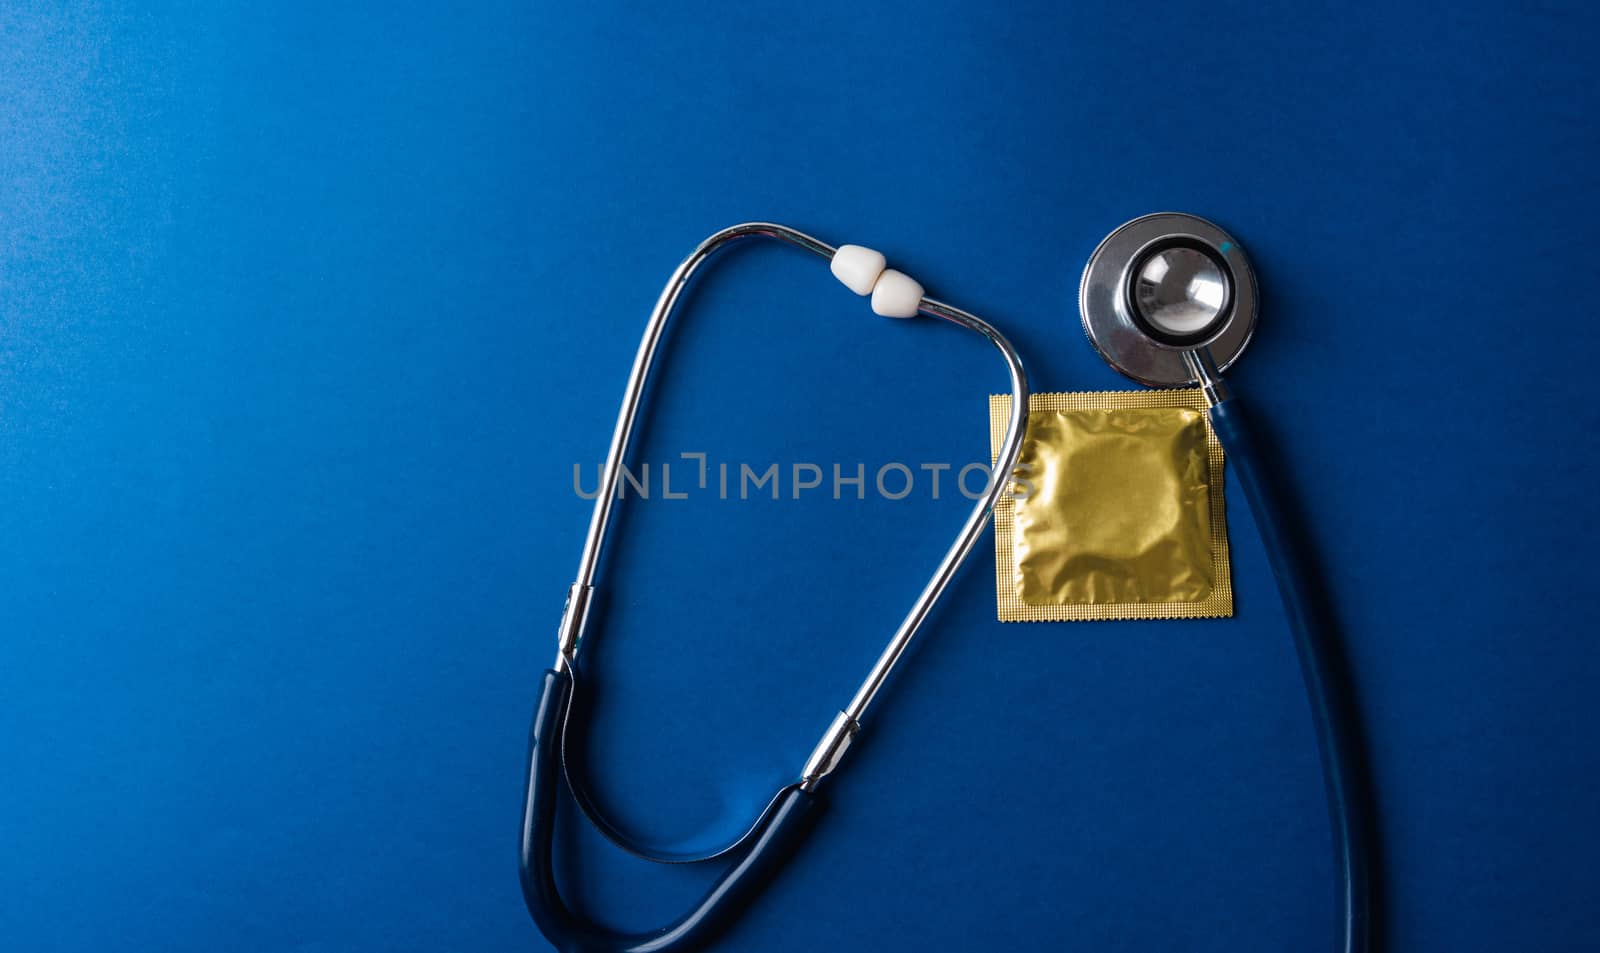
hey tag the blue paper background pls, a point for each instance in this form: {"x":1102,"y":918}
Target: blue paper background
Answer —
{"x":305,"y":317}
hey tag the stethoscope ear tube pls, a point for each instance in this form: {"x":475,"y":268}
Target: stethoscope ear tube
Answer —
{"x":784,"y":825}
{"x":1327,"y":685}
{"x":754,"y":854}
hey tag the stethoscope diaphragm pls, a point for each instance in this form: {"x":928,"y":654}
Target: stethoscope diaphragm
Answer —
{"x":1163,"y":284}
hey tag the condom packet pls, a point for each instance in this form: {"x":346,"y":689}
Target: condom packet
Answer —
{"x":1115,"y":510}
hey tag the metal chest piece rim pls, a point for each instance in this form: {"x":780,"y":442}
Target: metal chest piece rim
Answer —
{"x":1110,"y":309}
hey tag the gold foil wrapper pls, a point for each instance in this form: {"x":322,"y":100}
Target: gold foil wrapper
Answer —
{"x":1115,"y":510}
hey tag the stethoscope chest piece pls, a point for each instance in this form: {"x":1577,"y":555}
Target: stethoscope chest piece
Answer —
{"x":1164,"y":284}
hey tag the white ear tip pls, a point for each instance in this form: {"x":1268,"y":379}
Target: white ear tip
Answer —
{"x":857,"y":267}
{"x":896,"y":295}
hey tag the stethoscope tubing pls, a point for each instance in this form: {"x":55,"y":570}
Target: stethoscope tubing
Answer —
{"x":1328,"y":690}
{"x":784,"y":826}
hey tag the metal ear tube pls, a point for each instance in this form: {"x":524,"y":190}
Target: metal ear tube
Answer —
{"x":755,"y":854}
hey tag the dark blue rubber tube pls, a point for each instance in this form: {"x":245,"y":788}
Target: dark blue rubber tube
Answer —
{"x":1327,"y":683}
{"x":747,"y":873}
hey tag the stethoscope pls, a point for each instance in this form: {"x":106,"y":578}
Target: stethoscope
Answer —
{"x":1168,"y":300}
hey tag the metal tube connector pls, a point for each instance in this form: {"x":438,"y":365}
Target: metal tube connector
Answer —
{"x":1203,"y":368}
{"x":574,"y":615}
{"x":829,"y":751}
